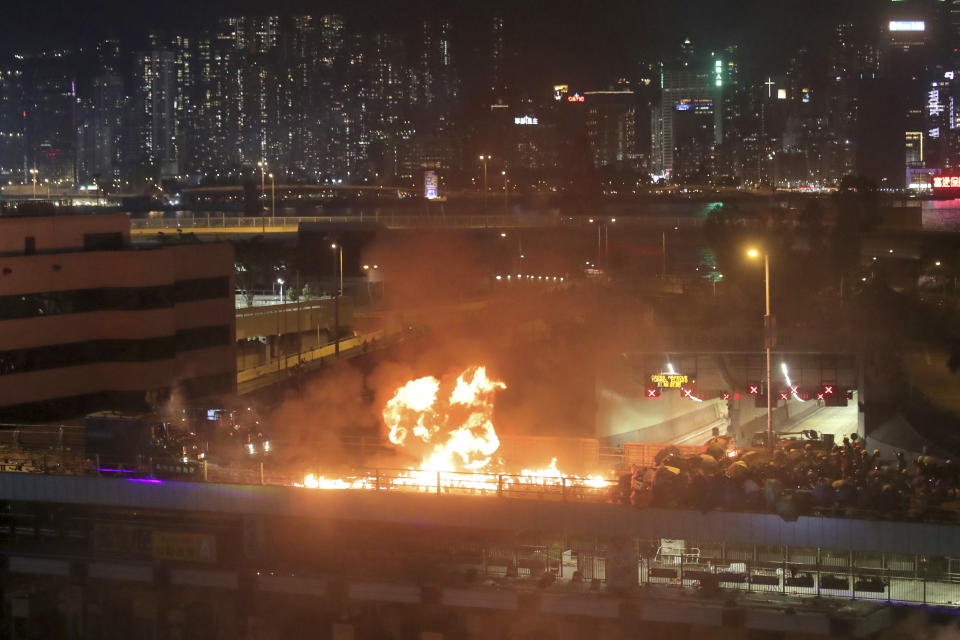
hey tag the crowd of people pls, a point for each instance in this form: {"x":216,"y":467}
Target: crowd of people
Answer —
{"x":797,"y":477}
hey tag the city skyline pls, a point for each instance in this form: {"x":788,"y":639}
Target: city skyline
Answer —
{"x":344,"y":98}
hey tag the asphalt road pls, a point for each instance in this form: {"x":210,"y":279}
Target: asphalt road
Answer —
{"x":840,"y":421}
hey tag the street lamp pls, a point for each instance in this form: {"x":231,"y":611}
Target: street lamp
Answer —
{"x":273,"y":197}
{"x":280,"y":282}
{"x":336,"y":300}
{"x":484,"y":159}
{"x":263,"y":180}
{"x":33,"y":172}
{"x":768,"y":336}
{"x":506,"y":192}
{"x":339,"y":249}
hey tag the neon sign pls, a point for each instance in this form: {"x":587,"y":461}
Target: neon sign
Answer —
{"x":525,"y":120}
{"x":575,"y":98}
{"x":946,"y":182}
{"x":908,"y":25}
{"x":934,"y":108}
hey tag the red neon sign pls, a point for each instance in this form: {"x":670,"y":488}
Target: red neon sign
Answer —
{"x":946,"y":182}
{"x":575,"y":98}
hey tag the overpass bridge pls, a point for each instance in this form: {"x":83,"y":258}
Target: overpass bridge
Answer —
{"x":223,"y":224}
{"x":214,"y":224}
{"x":554,"y":557}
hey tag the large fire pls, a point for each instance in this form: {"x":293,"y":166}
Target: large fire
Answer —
{"x":454,"y":436}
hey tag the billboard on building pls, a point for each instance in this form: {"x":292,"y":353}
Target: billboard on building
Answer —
{"x":430,"y":185}
{"x":908,"y":25}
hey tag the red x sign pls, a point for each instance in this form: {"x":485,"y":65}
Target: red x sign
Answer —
{"x":754,"y":389}
{"x":687,"y":393}
{"x":819,"y":396}
{"x":651,"y":393}
{"x":827,"y":389}
{"x":784,"y":395}
{"x":726,"y":396}
{"x":794,"y":389}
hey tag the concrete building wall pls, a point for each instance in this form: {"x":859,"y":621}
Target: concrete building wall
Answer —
{"x":114,"y":326}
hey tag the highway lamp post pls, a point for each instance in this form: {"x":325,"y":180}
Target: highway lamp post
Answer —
{"x":33,"y":172}
{"x":263,"y":181}
{"x":767,"y":338}
{"x":506,"y":193}
{"x":280,"y":282}
{"x":336,"y":299}
{"x":484,"y":159}
{"x":663,"y":258}
{"x":273,"y":197}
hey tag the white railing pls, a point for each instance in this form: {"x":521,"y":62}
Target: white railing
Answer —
{"x":214,"y":222}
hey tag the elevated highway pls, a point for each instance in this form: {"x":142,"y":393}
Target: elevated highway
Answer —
{"x":223,"y":225}
{"x":508,"y":512}
{"x":532,"y":554}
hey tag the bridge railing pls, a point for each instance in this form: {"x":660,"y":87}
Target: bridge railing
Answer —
{"x":189,"y":222}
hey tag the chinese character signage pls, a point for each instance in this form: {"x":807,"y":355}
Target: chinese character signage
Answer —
{"x":668,"y":380}
{"x":946,"y":182}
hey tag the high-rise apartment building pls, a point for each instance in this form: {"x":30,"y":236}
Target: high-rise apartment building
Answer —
{"x":14,"y":159}
{"x":611,"y":125}
{"x":49,"y":113}
{"x":687,"y":119}
{"x":156,"y":87}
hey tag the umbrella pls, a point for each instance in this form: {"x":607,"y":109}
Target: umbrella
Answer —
{"x":755,"y":458}
{"x":665,"y":453}
{"x":708,"y":463}
{"x":716,"y":450}
{"x":666,"y":472}
{"x":737,"y":470}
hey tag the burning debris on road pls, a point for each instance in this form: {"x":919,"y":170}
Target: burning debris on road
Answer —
{"x":452,"y":432}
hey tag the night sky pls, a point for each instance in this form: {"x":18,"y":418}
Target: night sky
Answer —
{"x":574,"y":38}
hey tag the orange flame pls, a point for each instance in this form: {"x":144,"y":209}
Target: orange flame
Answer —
{"x":458,"y":434}
{"x":457,"y":440}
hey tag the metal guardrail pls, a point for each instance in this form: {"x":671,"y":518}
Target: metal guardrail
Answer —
{"x":214,"y":223}
{"x":323,"y":303}
{"x":320,"y":353}
{"x":810,"y":578}
{"x":466,"y":483}
{"x":217,"y":223}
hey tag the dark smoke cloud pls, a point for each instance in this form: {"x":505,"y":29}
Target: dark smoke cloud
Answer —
{"x":548,"y":343}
